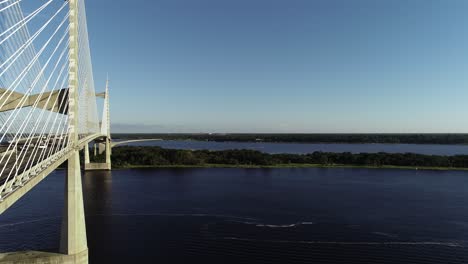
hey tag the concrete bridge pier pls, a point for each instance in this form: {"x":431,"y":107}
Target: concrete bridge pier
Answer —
{"x":106,"y":147}
{"x":73,"y":237}
{"x":86,"y":154}
{"x":73,"y":241}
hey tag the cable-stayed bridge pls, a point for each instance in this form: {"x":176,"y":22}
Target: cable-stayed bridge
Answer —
{"x":48,"y":112}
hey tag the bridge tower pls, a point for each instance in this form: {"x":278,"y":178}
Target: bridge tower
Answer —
{"x":104,"y":142}
{"x":73,"y":237}
{"x":48,"y":113}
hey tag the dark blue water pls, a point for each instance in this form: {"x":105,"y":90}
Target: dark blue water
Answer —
{"x":301,"y":148}
{"x":305,"y":215}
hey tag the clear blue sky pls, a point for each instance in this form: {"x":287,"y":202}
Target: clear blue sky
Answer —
{"x":283,"y":65}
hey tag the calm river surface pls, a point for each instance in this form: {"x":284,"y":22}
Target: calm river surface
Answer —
{"x":302,"y":215}
{"x":301,"y":148}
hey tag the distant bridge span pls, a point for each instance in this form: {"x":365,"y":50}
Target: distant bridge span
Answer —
{"x":116,"y":143}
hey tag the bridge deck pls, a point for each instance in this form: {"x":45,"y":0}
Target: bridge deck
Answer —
{"x":29,"y":176}
{"x":31,"y":158}
{"x":116,"y":143}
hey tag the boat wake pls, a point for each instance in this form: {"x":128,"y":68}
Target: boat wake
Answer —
{"x":385,"y":234}
{"x":181,"y":215}
{"x":410,"y":243}
{"x":277,"y":226}
{"x":29,"y":221}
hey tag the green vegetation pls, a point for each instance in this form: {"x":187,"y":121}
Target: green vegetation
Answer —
{"x":127,"y":156}
{"x":312,"y":138}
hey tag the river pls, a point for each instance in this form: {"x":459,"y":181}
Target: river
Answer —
{"x":300,"y":215}
{"x":302,"y":148}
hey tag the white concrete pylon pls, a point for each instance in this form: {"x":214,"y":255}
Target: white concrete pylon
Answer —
{"x":73,"y":237}
{"x":105,"y":124}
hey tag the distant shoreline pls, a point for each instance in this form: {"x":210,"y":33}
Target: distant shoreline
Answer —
{"x":290,"y":166}
{"x":286,"y":142}
{"x":309,"y":138}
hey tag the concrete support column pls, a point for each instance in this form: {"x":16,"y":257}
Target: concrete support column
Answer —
{"x":86,"y":154}
{"x":101,"y":148}
{"x":108,"y":151}
{"x":73,"y":237}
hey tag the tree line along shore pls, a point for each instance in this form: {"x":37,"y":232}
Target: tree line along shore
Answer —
{"x":151,"y":156}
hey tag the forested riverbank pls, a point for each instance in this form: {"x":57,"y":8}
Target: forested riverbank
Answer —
{"x":128,"y":156}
